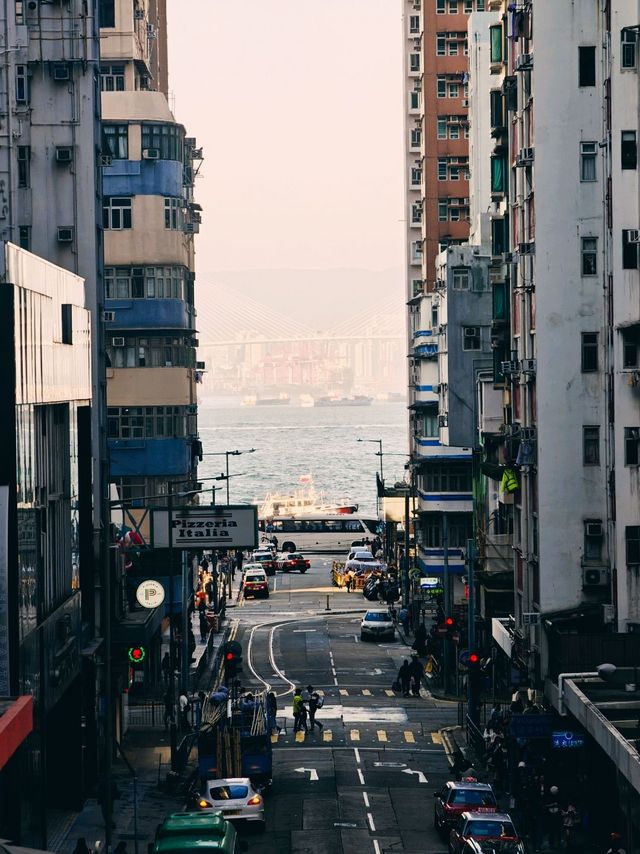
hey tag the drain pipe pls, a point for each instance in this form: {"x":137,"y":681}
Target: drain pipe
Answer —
{"x":561,"y":678}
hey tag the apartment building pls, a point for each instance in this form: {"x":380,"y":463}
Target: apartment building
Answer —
{"x":149,"y":218}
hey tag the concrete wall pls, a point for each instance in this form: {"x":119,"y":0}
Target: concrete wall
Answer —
{"x":161,"y":387}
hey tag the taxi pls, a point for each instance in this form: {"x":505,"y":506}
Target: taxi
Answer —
{"x":454,"y":798}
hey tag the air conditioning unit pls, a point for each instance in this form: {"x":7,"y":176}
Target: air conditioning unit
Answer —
{"x":528,"y":366}
{"x":61,"y":73}
{"x":108,"y":316}
{"x":443,"y":420}
{"x":633,"y":235}
{"x":65,"y":234}
{"x":595,"y":577}
{"x":528,"y":434}
{"x":151,"y":31}
{"x":608,"y":613}
{"x":151,"y":154}
{"x":524,"y":62}
{"x":465,"y":102}
{"x":593,"y":529}
{"x":511,"y":367}
{"x":195,"y":342}
{"x":525,"y":157}
{"x":106,"y":160}
{"x":201,"y":366}
{"x":64,"y":154}
{"x":527,"y":248}
{"x":532,"y":618}
{"x":138,"y":14}
{"x":191,"y":228}
{"x":192,"y":409}
{"x":471,"y":332}
{"x":117,"y":342}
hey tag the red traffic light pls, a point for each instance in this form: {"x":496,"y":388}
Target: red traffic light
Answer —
{"x":449,"y":621}
{"x":229,"y":656}
{"x":474,"y":658}
{"x":136,"y":654}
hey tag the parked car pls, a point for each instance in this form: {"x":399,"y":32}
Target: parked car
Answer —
{"x":266,"y":559}
{"x":254,"y":583}
{"x":377,"y":624}
{"x":455,"y":798}
{"x":360,"y":554}
{"x":235,"y":798}
{"x":495,"y":832}
{"x":180,"y":831}
{"x":290,"y":561}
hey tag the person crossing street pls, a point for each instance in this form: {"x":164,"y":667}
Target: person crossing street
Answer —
{"x":315,"y":702}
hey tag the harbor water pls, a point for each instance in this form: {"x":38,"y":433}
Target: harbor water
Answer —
{"x":293,"y":441}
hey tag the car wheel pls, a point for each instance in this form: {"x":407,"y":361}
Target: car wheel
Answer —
{"x":302,"y":571}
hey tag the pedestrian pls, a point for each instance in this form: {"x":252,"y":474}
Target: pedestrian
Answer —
{"x":168,"y":710}
{"x":348,"y":581}
{"x":303,"y":718}
{"x":416,"y":671}
{"x":315,"y":702}
{"x":198,"y":708}
{"x":274,"y":540}
{"x":204,"y":563}
{"x":272,"y":712}
{"x":298,"y":705}
{"x":570,"y":824}
{"x":403,"y":617}
{"x":404,"y":677}
{"x":420,"y":642}
{"x":204,"y":626}
{"x":81,"y":847}
{"x":166,"y":667}
{"x":553,"y":818}
{"x":208,"y":589}
{"x":183,"y":701}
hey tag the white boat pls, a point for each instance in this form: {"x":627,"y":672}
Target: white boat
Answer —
{"x":305,"y":501}
{"x":306,"y":400}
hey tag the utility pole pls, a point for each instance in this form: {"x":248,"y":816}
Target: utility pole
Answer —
{"x":447,"y":599}
{"x":173,"y":732}
{"x":405,"y":567}
{"x":472,"y":696}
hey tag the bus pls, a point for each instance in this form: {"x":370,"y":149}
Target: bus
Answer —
{"x":323,"y":532}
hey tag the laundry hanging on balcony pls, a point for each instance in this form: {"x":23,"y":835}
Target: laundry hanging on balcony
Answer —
{"x":509,"y":482}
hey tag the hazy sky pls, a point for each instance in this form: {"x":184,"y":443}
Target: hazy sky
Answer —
{"x":298,"y":106}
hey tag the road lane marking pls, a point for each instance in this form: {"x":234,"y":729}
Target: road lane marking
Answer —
{"x":356,"y":752}
{"x":344,"y":692}
{"x":376,"y":846}
{"x":409,"y":737}
{"x":300,"y":736}
{"x":355,"y":736}
{"x":327,"y":735}
{"x":389,"y":692}
{"x":333,"y":670}
{"x":361,"y":776}
{"x":382,"y":735}
{"x":366,"y":692}
{"x":371,"y":824}
{"x":335,"y":681}
{"x":366,"y":799}
{"x":436,"y":738}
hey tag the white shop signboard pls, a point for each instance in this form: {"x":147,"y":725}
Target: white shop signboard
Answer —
{"x":232,"y":527}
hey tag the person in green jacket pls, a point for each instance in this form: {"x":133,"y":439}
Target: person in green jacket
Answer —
{"x":299,"y":711}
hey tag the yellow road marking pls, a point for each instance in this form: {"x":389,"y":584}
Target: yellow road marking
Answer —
{"x":389,"y":692}
{"x":344,"y":692}
{"x":355,"y":735}
{"x":300,"y":736}
{"x":366,"y":692}
{"x":436,"y":738}
{"x":382,"y":735}
{"x":327,"y":735}
{"x":409,"y":737}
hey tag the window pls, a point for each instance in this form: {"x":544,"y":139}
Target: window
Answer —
{"x":22,"y":84}
{"x":416,"y":137}
{"x":590,"y":446}
{"x":589,"y":359}
{"x":498,"y":174}
{"x":414,"y":24}
{"x":453,"y":7}
{"x":107,"y":13}
{"x":496,"y":104}
{"x":471,"y":338}
{"x":116,"y":141}
{"x":632,"y":446}
{"x":495,"y":34}
{"x":145,"y":283}
{"x":416,"y":176}
{"x":593,"y":539}
{"x":586,"y":66}
{"x":441,"y":87}
{"x":166,"y":139}
{"x":442,"y":128}
{"x":452,"y":477}
{"x":24,"y":237}
{"x":630,"y":244}
{"x":67,"y":323}
{"x":441,"y":44}
{"x":19,"y":9}
{"x":151,"y":352}
{"x":112,"y":78}
{"x":24,"y":166}
{"x":499,"y":233}
{"x":631,"y":349}
{"x":414,"y":100}
{"x":480,"y":5}
{"x":454,"y":131}
{"x":116,"y":213}
{"x":460,"y":279}
{"x":632,"y":546}
{"x":588,"y":152}
{"x":416,"y":214}
{"x":628,"y":49}
{"x":173,"y":218}
{"x":628,"y":150}
{"x":443,"y":210}
{"x":589,"y":252}
{"x":454,"y":173}
{"x":149,"y":422}
{"x":453,"y":90}
{"x":440,"y":7}
{"x":414,"y":62}
{"x":442,"y":169}
{"x":416,"y":252}
{"x":427,"y":423}
{"x":468,"y":7}
{"x":453,"y":48}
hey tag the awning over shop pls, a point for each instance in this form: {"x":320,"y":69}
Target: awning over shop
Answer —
{"x":138,"y":627}
{"x":16,"y":722}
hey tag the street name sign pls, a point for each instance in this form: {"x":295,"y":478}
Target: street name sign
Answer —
{"x":233,"y":527}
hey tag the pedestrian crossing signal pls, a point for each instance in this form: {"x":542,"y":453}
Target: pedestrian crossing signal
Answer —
{"x":136,"y":654}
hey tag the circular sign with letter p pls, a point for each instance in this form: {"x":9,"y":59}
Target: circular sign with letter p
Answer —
{"x":150,"y":594}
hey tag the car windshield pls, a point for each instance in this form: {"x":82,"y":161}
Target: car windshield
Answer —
{"x":255,"y":576}
{"x":474,"y":797}
{"x":377,"y":617}
{"x":295,"y":557}
{"x":231,"y":792}
{"x":494,"y":829}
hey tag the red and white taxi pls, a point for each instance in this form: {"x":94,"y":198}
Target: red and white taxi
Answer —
{"x":454,"y":798}
{"x":292,"y":561}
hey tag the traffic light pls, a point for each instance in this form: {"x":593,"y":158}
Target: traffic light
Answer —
{"x":451,"y":625}
{"x":232,"y":656}
{"x":136,"y":654}
{"x":475,"y":674}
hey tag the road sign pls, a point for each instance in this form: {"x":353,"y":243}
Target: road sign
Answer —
{"x":150,"y":594}
{"x":231,"y":527}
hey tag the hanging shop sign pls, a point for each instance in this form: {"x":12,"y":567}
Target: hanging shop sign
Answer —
{"x":234,"y":526}
{"x":150,"y":594}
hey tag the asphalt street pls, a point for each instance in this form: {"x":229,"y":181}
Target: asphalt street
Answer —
{"x":366,"y":782}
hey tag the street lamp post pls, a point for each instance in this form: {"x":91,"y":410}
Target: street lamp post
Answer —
{"x":226,"y":455}
{"x":378,"y":453}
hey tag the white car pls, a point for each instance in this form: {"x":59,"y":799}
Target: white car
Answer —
{"x":361,"y":555}
{"x":235,"y":798}
{"x":377,"y":624}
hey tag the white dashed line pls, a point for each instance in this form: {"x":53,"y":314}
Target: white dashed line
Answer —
{"x":361,"y":776}
{"x":366,"y":799}
{"x":376,"y":846}
{"x":335,"y":681}
{"x":356,"y":753}
{"x":371,"y":824}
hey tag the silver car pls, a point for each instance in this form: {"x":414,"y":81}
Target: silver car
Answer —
{"x":235,"y":798}
{"x":377,"y":624}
